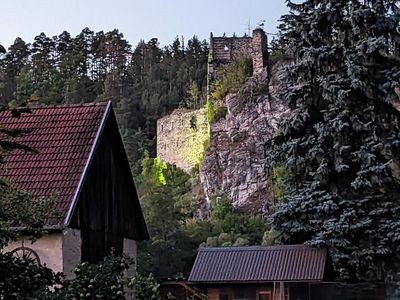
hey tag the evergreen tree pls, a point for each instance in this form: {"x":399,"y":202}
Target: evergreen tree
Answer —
{"x":340,"y":146}
{"x":144,"y":83}
{"x":11,"y":65}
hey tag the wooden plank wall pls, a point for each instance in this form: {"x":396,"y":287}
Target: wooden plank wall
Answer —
{"x":108,"y":208}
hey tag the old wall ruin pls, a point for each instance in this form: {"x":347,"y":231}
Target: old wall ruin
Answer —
{"x":224,"y":50}
{"x":181,"y":143}
{"x":181,"y":137}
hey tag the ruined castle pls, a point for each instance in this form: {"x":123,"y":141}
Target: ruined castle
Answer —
{"x":224,"y":50}
{"x":181,"y":135}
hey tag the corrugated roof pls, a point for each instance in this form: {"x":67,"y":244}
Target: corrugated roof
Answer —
{"x":64,"y":137}
{"x":259,"y":264}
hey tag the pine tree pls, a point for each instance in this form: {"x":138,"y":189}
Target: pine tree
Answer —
{"x":340,"y":146}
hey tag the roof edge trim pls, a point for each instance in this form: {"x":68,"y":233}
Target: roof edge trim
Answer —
{"x":89,"y":160}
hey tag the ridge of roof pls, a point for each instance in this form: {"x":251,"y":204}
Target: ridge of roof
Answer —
{"x":257,"y":247}
{"x":61,"y":106}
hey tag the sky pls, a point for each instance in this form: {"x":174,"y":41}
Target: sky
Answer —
{"x":137,"y":20}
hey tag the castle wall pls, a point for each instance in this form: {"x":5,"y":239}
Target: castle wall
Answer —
{"x":259,"y":50}
{"x":181,"y":137}
{"x":224,"y":50}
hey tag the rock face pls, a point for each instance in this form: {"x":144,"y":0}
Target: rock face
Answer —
{"x":234,"y":161}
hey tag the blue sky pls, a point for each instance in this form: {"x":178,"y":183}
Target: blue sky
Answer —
{"x":164,"y":19}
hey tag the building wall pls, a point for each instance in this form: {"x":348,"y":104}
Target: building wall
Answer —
{"x":108,"y":208}
{"x":61,"y":252}
{"x":71,"y":250}
{"x":259,"y":51}
{"x":181,"y":137}
{"x":224,"y":50}
{"x":213,"y":294}
{"x":48,"y":247}
{"x":130,"y":250}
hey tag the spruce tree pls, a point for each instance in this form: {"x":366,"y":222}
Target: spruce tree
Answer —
{"x":340,"y":146}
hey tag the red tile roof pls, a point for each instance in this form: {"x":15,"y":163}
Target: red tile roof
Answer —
{"x":259,"y":264}
{"x":65,"y":137}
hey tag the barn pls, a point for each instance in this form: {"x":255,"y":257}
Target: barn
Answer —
{"x":82,"y":164}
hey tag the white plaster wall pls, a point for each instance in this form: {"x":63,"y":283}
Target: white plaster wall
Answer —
{"x":130,"y":249}
{"x":71,"y":250}
{"x":48,"y":247}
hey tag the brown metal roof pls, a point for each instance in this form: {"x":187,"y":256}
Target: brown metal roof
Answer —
{"x":259,"y":264}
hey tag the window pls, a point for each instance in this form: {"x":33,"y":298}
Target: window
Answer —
{"x":225,"y":297}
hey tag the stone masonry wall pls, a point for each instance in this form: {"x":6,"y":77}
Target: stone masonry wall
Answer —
{"x":224,"y":50}
{"x":181,"y":137}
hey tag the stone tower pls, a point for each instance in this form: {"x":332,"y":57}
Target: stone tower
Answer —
{"x":259,"y":52}
{"x":224,"y":50}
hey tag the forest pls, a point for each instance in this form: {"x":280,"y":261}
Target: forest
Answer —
{"x":334,"y":161}
{"x":144,"y":83}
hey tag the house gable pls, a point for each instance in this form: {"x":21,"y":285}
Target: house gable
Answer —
{"x":107,"y":201}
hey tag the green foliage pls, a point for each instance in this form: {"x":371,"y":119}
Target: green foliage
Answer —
{"x":278,"y":49}
{"x":231,"y":228}
{"x":146,"y":288}
{"x":198,"y":230}
{"x":175,"y":234}
{"x":165,"y":207}
{"x":18,"y":208}
{"x":105,"y":280}
{"x":340,"y":146}
{"x":215,"y":110}
{"x":23,"y":279}
{"x":144,"y":82}
{"x":153,"y":169}
{"x":193,"y":149}
{"x":233,"y":78}
{"x":222,"y":207}
{"x":270,"y":237}
{"x":194,"y":96}
{"x":210,"y":110}
{"x":278,"y":173}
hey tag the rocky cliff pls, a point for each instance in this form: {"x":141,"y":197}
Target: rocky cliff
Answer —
{"x":234,"y":161}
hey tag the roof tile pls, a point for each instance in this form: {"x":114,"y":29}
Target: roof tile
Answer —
{"x":63,"y":137}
